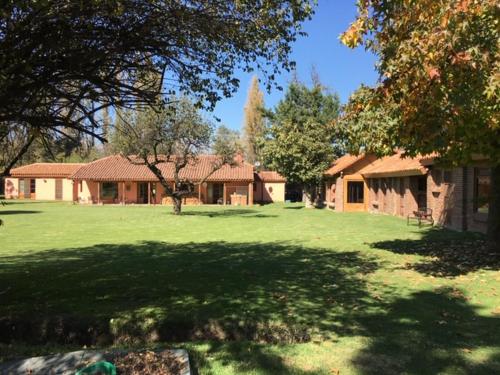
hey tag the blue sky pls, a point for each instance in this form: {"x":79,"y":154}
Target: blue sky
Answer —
{"x":341,"y":69}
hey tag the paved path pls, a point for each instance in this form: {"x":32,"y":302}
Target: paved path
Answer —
{"x":67,"y":363}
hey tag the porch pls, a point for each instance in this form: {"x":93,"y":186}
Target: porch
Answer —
{"x":150,"y":192}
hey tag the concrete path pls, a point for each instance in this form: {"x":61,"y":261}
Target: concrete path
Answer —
{"x":67,"y":363}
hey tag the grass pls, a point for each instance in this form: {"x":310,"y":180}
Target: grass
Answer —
{"x":263,"y":290}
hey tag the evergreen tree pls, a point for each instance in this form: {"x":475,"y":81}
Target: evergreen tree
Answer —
{"x":299,"y":140}
{"x":253,"y":128}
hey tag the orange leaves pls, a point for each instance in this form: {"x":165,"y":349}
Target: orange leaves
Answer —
{"x":352,"y":37}
{"x":433,"y":72}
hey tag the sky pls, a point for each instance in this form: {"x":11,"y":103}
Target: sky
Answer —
{"x":340,"y":69}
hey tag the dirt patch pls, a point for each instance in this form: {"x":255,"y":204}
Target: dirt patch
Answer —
{"x":149,"y":362}
{"x":65,"y":329}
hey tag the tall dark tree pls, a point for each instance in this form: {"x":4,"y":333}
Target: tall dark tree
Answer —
{"x":300,"y":138}
{"x":63,"y":61}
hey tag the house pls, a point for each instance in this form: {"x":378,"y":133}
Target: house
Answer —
{"x":42,"y":181}
{"x":345,"y":186}
{"x":269,"y":186}
{"x":456,"y":198}
{"x":115,"y":179}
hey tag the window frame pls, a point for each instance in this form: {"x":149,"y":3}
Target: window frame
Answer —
{"x":478,"y":173}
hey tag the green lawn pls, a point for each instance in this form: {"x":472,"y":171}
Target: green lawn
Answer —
{"x":277,"y":289}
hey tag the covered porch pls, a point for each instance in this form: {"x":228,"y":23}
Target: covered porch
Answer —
{"x":151,"y":192}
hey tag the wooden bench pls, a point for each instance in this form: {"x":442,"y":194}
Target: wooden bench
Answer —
{"x":421,"y":215}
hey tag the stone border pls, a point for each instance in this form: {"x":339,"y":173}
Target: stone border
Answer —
{"x":68,"y":363}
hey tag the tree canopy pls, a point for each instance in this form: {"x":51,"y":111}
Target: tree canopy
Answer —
{"x":299,"y":140}
{"x":439,"y":74}
{"x":176,"y":134}
{"x":62,"y":61}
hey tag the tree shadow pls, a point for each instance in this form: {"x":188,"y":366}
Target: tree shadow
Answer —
{"x":18,"y":212}
{"x":261,"y":292}
{"x":447,"y":253}
{"x":223,"y":213}
{"x":429,"y":332}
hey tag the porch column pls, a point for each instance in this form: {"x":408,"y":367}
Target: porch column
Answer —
{"x":98,"y":192}
{"x":224,"y":194}
{"x":149,"y":192}
{"x":250,"y":193}
{"x":123,"y":192}
{"x":199,"y":193}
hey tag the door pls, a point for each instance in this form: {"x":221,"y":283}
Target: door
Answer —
{"x":142,"y":192}
{"x":59,"y":189}
{"x":354,"y":195}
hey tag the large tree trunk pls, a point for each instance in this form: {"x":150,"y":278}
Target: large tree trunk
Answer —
{"x":309,"y":196}
{"x":494,"y":208}
{"x":177,"y":204}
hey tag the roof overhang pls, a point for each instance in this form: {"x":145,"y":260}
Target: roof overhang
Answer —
{"x":405,"y":173}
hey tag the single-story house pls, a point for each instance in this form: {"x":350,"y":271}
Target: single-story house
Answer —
{"x":42,"y":181}
{"x":457,"y":198}
{"x":269,"y":186}
{"x":114,"y":179}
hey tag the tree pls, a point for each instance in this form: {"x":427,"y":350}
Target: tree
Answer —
{"x":174,"y":134}
{"x":253,"y":128}
{"x":439,"y":69}
{"x":299,"y":140}
{"x":63,"y":61}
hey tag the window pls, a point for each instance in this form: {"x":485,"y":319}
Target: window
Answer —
{"x":21,"y":186}
{"x":482,"y":186}
{"x":422,"y":192}
{"x":355,"y":192}
{"x":109,"y":190}
{"x":447,"y":176}
{"x":32,"y":186}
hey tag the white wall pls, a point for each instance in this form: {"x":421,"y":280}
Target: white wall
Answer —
{"x":11,"y":188}
{"x":67,"y":190}
{"x":45,"y":189}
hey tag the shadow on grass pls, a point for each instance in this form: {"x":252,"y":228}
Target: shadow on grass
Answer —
{"x":429,"y":333}
{"x":449,"y":253}
{"x":245,"y":213}
{"x":237,"y":297}
{"x":153,"y":291}
{"x":17,"y":212}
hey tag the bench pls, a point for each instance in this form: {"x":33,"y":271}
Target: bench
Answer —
{"x":421,"y":215}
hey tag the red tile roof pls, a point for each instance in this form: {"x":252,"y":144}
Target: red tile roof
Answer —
{"x":119,"y":168}
{"x":394,"y":166}
{"x":47,"y":170}
{"x":342,"y":163}
{"x":270,"y":176}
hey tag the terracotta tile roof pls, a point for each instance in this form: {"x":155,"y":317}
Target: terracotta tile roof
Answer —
{"x":270,"y":176}
{"x":342,"y":163}
{"x":119,"y":168}
{"x":48,"y":170}
{"x":394,"y":166}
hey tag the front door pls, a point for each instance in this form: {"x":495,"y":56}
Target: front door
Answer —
{"x":142,"y":192}
{"x":59,"y":189}
{"x":354,"y":195}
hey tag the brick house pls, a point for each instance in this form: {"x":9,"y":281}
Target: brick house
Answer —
{"x":398,"y":186}
{"x":114,"y":179}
